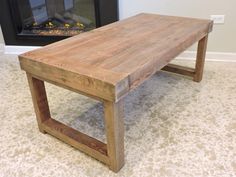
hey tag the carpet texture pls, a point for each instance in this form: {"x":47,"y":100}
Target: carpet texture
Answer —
{"x":173,"y":127}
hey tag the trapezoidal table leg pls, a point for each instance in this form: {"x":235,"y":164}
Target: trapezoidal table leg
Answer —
{"x":111,"y":153}
{"x":197,"y":72}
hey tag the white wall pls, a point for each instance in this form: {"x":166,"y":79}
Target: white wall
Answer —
{"x":223,"y":38}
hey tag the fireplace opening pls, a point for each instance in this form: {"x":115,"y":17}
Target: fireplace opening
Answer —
{"x":56,"y":17}
{"x":41,"y":22}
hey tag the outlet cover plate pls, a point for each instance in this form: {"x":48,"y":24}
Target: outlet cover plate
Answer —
{"x":218,"y":19}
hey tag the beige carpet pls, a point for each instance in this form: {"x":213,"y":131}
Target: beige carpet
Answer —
{"x":173,"y":127}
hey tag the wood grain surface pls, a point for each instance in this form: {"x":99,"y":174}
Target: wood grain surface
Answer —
{"x":118,"y":57}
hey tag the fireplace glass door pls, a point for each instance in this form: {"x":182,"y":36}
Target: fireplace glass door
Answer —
{"x":55,"y":17}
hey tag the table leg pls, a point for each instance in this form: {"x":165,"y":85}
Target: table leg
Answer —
{"x":114,"y":123}
{"x":111,"y":153}
{"x":196,"y":72}
{"x":201,"y":54}
{"x":40,"y":102}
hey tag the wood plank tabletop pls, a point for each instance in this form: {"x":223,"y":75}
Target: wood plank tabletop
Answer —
{"x":131,"y":49}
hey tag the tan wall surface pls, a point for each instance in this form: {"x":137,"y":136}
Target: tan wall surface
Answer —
{"x":223,"y":38}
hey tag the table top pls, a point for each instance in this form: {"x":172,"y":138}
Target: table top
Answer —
{"x":131,"y":49}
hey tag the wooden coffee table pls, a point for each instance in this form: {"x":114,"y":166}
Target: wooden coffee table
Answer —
{"x":106,"y":64}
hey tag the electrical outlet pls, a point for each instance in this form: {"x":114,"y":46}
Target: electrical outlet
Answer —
{"x":218,"y":19}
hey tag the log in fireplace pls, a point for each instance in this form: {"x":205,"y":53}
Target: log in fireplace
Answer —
{"x":40,"y":22}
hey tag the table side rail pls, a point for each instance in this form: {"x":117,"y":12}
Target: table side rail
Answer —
{"x":150,"y":68}
{"x":80,"y":83}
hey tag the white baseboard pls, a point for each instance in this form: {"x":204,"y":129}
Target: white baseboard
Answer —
{"x":187,"y":55}
{"x":210,"y":56}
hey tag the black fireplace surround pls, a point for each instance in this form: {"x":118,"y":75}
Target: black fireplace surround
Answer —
{"x":41,"y":22}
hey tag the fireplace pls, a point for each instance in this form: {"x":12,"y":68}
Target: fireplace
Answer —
{"x":41,"y":22}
